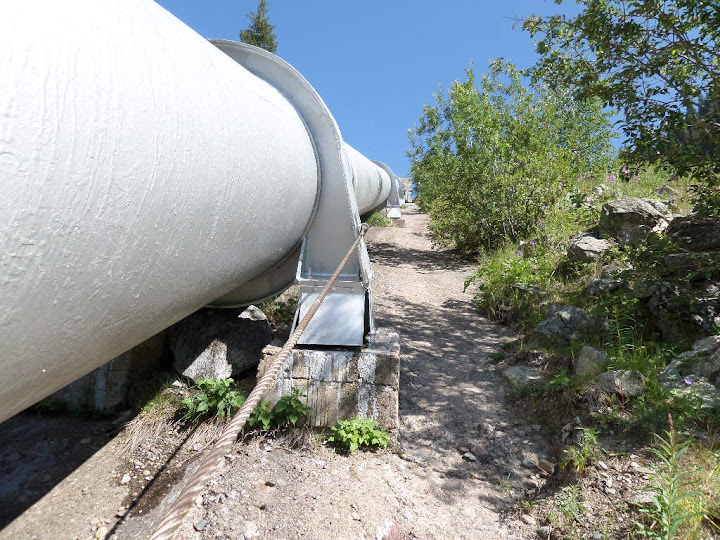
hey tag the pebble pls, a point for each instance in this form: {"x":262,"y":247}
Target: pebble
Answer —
{"x":200,"y":525}
{"x":125,"y":479}
{"x":545,"y":466}
{"x":543,"y":532}
{"x":602,"y":465}
{"x":479,"y":450}
{"x":529,"y":463}
{"x":355,"y":516}
{"x":84,"y":441}
{"x":596,"y":535}
{"x":407,"y":514}
{"x":468,"y":456}
{"x":251,"y":531}
{"x":528,"y":519}
{"x":101,"y":532}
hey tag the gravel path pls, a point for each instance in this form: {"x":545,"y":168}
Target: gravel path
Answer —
{"x":462,"y":457}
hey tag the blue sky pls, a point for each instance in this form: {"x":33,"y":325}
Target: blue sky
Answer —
{"x":376,"y":63}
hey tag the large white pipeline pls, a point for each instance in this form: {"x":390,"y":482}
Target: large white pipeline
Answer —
{"x":143,"y":175}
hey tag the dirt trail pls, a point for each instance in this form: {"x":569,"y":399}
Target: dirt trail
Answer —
{"x":453,"y":481}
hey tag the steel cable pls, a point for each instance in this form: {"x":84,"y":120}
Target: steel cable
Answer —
{"x":172,"y":520}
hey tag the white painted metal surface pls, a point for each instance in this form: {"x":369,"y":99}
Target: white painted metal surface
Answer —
{"x":143,"y":174}
{"x":141,"y":170}
{"x":371,"y":183}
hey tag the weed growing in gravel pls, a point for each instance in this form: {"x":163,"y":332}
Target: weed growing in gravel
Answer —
{"x":570,"y":503}
{"x":281,"y":309}
{"x":376,"y":219}
{"x":210,"y":399}
{"x":286,"y":412}
{"x":359,"y":432}
{"x":666,"y":515}
{"x":580,"y":454}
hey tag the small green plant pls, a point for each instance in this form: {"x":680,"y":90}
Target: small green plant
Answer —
{"x":357,"y":433}
{"x":286,"y":412}
{"x":212,"y":398}
{"x":570,"y":503}
{"x":580,"y":454}
{"x":50,"y":405}
{"x":281,"y":309}
{"x":376,"y":219}
{"x":666,"y":515}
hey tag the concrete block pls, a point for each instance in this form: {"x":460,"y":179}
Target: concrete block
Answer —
{"x":110,"y":387}
{"x":340,"y":384}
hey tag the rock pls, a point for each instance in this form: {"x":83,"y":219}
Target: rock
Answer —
{"x":602,"y":189}
{"x":693,"y":233}
{"x":590,"y":362}
{"x":125,"y":479}
{"x":200,"y":525}
{"x":528,"y":519}
{"x":479,"y":451}
{"x":523,"y":375}
{"x":407,"y":514}
{"x":688,"y":265}
{"x":602,"y":287}
{"x":642,"y":499}
{"x":696,"y":373}
{"x":469,"y":456}
{"x":219,"y":343}
{"x":250,"y":531}
{"x":546,"y":467}
{"x":682,"y":312}
{"x":586,"y":248}
{"x":633,"y":218}
{"x":356,"y":516}
{"x":101,"y":532}
{"x":544,"y":532}
{"x":628,"y":383}
{"x":564,"y":323}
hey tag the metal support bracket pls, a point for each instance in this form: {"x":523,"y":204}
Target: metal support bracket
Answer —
{"x":393,"y":201}
{"x":344,"y":316}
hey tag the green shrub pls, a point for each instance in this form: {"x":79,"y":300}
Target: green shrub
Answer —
{"x":286,"y":412}
{"x":211,"y":398}
{"x":376,"y":219}
{"x":491,"y":160}
{"x":358,"y":433}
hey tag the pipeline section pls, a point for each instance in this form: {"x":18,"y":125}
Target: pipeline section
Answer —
{"x":144,"y":173}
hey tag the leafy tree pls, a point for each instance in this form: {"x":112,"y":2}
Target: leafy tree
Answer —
{"x":490,"y":161}
{"x":657,"y":61}
{"x":260,"y":33}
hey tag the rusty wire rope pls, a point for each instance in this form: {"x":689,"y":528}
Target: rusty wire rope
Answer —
{"x":172,"y":520}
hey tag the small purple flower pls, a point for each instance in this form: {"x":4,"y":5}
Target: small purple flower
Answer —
{"x":610,"y":178}
{"x":625,"y":170}
{"x":688,"y":380}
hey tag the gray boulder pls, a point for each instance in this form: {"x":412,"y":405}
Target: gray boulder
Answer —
{"x":590,"y":362}
{"x":602,"y":287}
{"x":632,"y":219}
{"x":523,"y":376}
{"x":629,"y":383}
{"x":587,"y":248}
{"x":564,"y":323}
{"x":696,"y":373}
{"x":219,"y":343}
{"x":682,"y":312}
{"x":697,"y":234}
